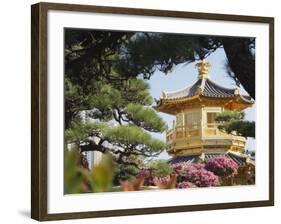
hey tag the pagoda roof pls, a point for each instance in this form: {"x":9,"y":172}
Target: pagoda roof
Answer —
{"x":203,"y":88}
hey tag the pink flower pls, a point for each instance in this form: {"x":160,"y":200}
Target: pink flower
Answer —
{"x":196,"y":174}
{"x":222,"y":166}
{"x":185,"y":185}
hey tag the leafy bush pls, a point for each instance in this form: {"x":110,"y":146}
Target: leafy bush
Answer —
{"x":156,"y":168}
{"x":74,"y":180}
{"x":160,"y":168}
{"x":77,"y":179}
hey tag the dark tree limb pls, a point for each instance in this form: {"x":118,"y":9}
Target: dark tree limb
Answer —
{"x":241,"y":61}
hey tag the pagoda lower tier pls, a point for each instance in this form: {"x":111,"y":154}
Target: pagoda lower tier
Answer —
{"x":182,"y":141}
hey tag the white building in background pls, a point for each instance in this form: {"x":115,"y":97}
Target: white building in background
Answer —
{"x":93,"y":157}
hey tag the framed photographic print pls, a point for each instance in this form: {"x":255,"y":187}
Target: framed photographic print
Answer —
{"x":138,"y":111}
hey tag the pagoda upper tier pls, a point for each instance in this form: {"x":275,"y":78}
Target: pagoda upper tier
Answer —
{"x":204,"y":92}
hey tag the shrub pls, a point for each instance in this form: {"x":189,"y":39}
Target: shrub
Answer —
{"x":196,"y":174}
{"x":185,"y":185}
{"x":222,"y":166}
{"x":160,"y":168}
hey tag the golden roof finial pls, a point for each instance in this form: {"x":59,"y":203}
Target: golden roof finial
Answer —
{"x":203,"y":68}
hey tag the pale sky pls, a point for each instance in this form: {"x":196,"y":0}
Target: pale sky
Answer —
{"x":185,"y":75}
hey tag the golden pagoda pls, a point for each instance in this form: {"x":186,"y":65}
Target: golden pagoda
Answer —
{"x":195,"y":130}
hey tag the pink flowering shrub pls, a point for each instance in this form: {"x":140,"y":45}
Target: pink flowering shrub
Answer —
{"x":182,"y":168}
{"x":222,"y":166}
{"x":185,"y":185}
{"x":196,"y":174}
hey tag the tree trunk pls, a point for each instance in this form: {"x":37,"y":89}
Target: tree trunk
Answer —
{"x":68,"y":117}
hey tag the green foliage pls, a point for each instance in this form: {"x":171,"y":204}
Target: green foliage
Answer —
{"x":106,"y":97}
{"x":101,"y":176}
{"x":91,"y":50}
{"x":79,"y":131}
{"x":103,"y":70}
{"x":135,"y":140}
{"x":130,"y":137}
{"x":230,"y":115}
{"x":77,"y":179}
{"x":128,"y":143}
{"x":124,"y":173}
{"x":94,"y":54}
{"x":94,"y":84}
{"x":135,"y":91}
{"x":71,"y":90}
{"x":160,"y":168}
{"x":146,"y":52}
{"x":244,"y":128}
{"x":233,"y":121}
{"x":145,"y":117}
{"x":73,"y":173}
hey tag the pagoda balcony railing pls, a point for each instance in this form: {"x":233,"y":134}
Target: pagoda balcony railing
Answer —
{"x":212,"y":125}
{"x":210,"y":131}
{"x":181,"y":132}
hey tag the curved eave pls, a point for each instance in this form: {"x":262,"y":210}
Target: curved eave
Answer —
{"x":173,"y":106}
{"x":250,"y":101}
{"x":178,"y":100}
{"x":237,"y":102}
{"x":189,"y":91}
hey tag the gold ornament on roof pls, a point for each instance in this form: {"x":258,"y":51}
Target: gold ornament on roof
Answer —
{"x":203,"y":68}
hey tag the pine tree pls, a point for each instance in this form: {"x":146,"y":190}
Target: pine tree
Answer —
{"x":119,"y":122}
{"x":107,"y":100}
